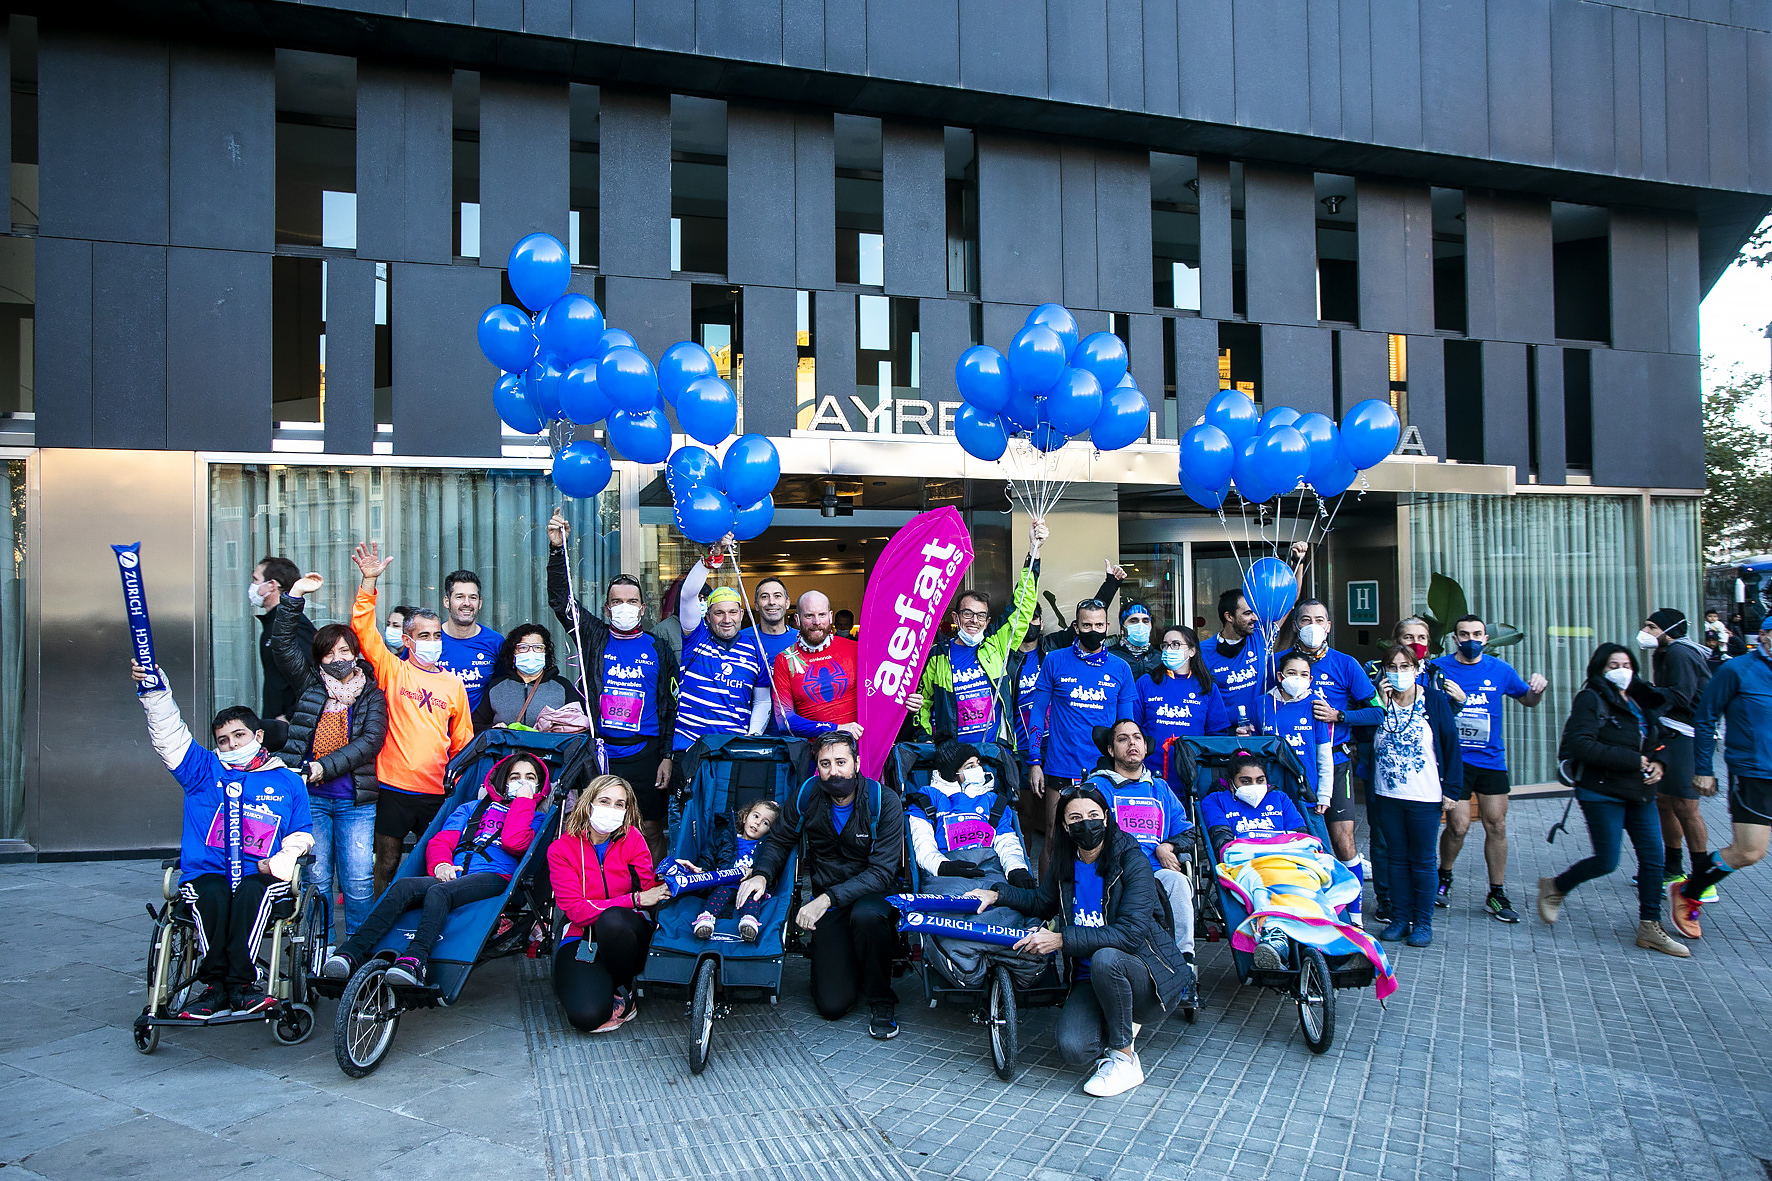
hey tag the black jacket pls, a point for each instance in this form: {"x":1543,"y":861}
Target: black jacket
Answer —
{"x":1682,"y":670}
{"x":294,"y":657}
{"x":1603,"y":738}
{"x":863,"y":859}
{"x":280,"y":689}
{"x":1136,"y":912}
{"x":594,"y":634}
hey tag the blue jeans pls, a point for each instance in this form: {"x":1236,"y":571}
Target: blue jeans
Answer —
{"x":1412,"y":847}
{"x":1607,"y":822}
{"x":344,"y":845}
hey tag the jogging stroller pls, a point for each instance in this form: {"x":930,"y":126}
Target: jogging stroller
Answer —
{"x":726,"y":774}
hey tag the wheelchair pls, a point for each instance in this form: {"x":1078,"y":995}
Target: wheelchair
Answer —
{"x":290,"y":953}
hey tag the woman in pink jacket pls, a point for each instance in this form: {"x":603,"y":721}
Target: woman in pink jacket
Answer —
{"x":604,"y":882}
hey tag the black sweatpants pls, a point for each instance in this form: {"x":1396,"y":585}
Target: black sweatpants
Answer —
{"x":587,"y":990}
{"x":231,"y":923}
{"x":436,"y":898}
{"x":852,"y":956}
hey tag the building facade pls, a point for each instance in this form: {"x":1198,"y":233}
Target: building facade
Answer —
{"x":250,"y":240}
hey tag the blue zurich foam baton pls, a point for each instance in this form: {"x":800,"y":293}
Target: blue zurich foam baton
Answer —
{"x":681,"y":883}
{"x":934,"y":903}
{"x":949,"y":927}
{"x":135,"y":606}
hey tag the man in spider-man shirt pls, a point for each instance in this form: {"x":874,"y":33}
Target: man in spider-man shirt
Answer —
{"x":815,"y":676}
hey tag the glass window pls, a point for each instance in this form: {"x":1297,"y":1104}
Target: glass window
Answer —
{"x":22,"y":38}
{"x":316,"y":149}
{"x":861,"y":210}
{"x":1578,"y":408}
{"x":1239,"y":358}
{"x":464,"y":164}
{"x":1338,"y":249}
{"x":1449,"y":294}
{"x":698,"y":185}
{"x":1582,"y":271}
{"x":17,"y":322}
{"x":1495,"y":547}
{"x":1239,"y":246}
{"x":432,"y":521}
{"x":582,"y":223}
{"x":805,"y":363}
{"x":1464,"y":401}
{"x":1175,"y":231}
{"x":12,"y":658}
{"x":1677,"y":562}
{"x":298,"y":336}
{"x":962,"y":209}
{"x":888,"y":366}
{"x":1152,"y":578}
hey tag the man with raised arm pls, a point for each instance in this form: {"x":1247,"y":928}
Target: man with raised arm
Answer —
{"x":723,"y":687}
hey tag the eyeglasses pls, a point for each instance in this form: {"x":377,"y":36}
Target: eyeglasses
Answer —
{"x":530,"y":648}
{"x":974,"y":616}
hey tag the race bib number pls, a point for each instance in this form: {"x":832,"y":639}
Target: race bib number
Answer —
{"x":1143,"y":818}
{"x":1473,"y":727}
{"x":258,"y":830}
{"x":967,"y":832}
{"x":620,"y":709}
{"x":975,"y":712}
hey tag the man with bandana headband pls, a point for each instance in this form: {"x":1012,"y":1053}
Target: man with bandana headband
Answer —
{"x":630,"y":678}
{"x":854,"y":841}
{"x":1133,"y":644}
{"x":966,"y":687}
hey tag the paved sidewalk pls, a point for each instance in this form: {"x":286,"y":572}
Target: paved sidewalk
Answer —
{"x":1508,"y":1053}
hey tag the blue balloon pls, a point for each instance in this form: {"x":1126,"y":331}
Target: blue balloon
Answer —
{"x":1103,"y":354}
{"x":581,"y":469}
{"x":750,"y":469}
{"x":1232,"y":412}
{"x":1270,"y":588}
{"x":1278,"y":417}
{"x":1369,"y":433}
{"x":1037,"y":359}
{"x":539,"y":269}
{"x":628,"y":380}
{"x":752,"y":519}
{"x":544,"y":388}
{"x":1074,"y":402}
{"x":1320,"y":434}
{"x":1058,"y":318}
{"x":1048,"y":437}
{"x":581,"y":398}
{"x":612,"y":337}
{"x":1207,"y":456}
{"x":1284,"y":457}
{"x":981,"y":435}
{"x":507,"y":337}
{"x":1247,"y":474}
{"x":1212,"y":498}
{"x":704,"y":515}
{"x":681,"y":364}
{"x":1125,"y":417}
{"x":691,"y":465}
{"x":643,"y":436}
{"x":572,"y":327}
{"x":1334,"y":480}
{"x":708,"y":410}
{"x":982,"y":373}
{"x":511,"y":400}
{"x":1022,"y":411}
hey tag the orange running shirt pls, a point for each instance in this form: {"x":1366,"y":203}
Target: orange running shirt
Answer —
{"x":428,"y":716}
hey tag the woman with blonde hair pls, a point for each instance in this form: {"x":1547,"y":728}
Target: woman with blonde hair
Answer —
{"x":604,"y":882}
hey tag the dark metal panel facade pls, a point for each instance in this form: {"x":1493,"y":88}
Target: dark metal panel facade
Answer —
{"x":1427,"y":391}
{"x":1653,"y":76}
{"x":770,"y":360}
{"x":1196,"y":367}
{"x":945,"y":328}
{"x":1553,"y":447}
{"x":1297,"y":368}
{"x":917,"y":40}
{"x":1519,"y":49}
{"x":442,"y":383}
{"x":760,"y":225}
{"x":1640,"y":279}
{"x":802,"y":33}
{"x":1628,"y":88}
{"x":218,"y":350}
{"x":1215,"y":238}
{"x":1682,"y":285}
{"x":1505,"y":402}
{"x":102,"y":131}
{"x":1162,"y":60}
{"x":223,"y":145}
{"x":1688,"y":105}
{"x":914,"y":199}
{"x":1355,"y":24}
{"x":1397,"y":74}
{"x":1325,"y":68}
{"x":815,"y":201}
{"x":404,"y":175}
{"x":1364,"y":368}
{"x":747,"y":30}
{"x":129,"y":345}
{"x":1271,"y":60}
{"x":1207,"y":54}
{"x":1454,"y":76}
{"x":1396,"y":257}
{"x":1123,"y":230}
{"x":350,"y":356}
{"x":1727,"y":122}
{"x":1020,"y":257}
{"x":665,"y":24}
{"x":1077,"y":220}
{"x":1077,"y":52}
{"x":1126,"y":53}
{"x":634,"y":170}
{"x":1509,"y":284}
{"x":833,"y":347}
{"x":1582,"y":116}
{"x":62,"y":344}
{"x":524,"y":164}
{"x":1280,"y":211}
{"x":1145,"y":350}
{"x":1002,"y":47}
{"x":656,"y":311}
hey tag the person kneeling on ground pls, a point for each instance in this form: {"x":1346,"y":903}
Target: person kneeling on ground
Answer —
{"x":735,"y":849}
{"x":601,"y":870}
{"x":246,"y":821}
{"x":472,"y":857}
{"x":854,"y":837}
{"x":1115,"y":928}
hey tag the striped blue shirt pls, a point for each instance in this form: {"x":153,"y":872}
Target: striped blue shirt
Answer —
{"x":715,"y":686}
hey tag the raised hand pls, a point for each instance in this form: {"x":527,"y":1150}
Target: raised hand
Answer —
{"x":558,"y":528}
{"x":1037,"y":535}
{"x":369,"y":561}
{"x":307,"y":584}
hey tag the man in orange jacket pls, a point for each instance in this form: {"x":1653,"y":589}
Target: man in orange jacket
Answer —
{"x":428,"y":718}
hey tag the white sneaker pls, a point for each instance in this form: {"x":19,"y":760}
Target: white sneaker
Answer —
{"x":749,"y":929}
{"x":704,"y":925}
{"x":1115,"y":1074}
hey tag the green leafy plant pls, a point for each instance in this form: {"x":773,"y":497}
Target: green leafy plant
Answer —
{"x":1446,"y":604}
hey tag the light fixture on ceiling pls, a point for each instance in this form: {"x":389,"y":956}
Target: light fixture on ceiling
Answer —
{"x":1333,"y":203}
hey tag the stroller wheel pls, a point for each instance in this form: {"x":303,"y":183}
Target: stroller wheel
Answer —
{"x":1316,"y":1000}
{"x":1000,"y":1016}
{"x":147,"y":1037}
{"x":368,"y":1015}
{"x":701,"y":1015}
{"x":294,"y":1024}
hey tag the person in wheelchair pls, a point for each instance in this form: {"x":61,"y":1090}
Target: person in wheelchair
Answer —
{"x":472,"y":857}
{"x":1297,"y":876}
{"x":733,"y":849}
{"x":961,"y":827}
{"x":246,"y":822}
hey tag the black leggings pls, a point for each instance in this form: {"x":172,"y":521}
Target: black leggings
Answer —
{"x":587,"y":990}
{"x":437,"y":898}
{"x":852,"y":955}
{"x":231,"y":923}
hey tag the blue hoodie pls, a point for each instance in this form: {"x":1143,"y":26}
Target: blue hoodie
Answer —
{"x":1145,"y":808}
{"x":1073,"y":694}
{"x":1740,"y":692}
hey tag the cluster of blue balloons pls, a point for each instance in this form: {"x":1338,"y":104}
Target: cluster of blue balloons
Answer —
{"x":1267,"y":455}
{"x":713,"y":497}
{"x":1051,"y":387}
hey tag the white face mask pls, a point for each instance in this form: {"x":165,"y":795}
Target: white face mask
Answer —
{"x":1621,"y":677}
{"x":972,"y":777}
{"x":606,"y":819}
{"x":1295,"y":686}
{"x":255,"y":596}
{"x":530,"y":663}
{"x":625,"y":616}
{"x":1645,"y":640}
{"x":969,"y":637}
{"x":1313,"y":635}
{"x":428,"y":651}
{"x":1401,"y":679}
{"x":240,"y":755}
{"x":1251,"y":793}
{"x":394,"y":636}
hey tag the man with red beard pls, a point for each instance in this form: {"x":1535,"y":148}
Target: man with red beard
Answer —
{"x":815,"y":676}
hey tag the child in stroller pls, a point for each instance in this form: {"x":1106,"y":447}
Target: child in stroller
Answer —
{"x":733,"y":851}
{"x":962,"y":826}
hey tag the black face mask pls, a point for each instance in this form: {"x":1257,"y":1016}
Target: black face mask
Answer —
{"x":1087,"y":834}
{"x":339,"y":670}
{"x":1091,"y":641}
{"x":838,"y":787}
{"x":1032,"y":636}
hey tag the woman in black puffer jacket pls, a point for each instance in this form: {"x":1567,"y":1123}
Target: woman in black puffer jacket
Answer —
{"x":1613,"y":742}
{"x":337,"y":727}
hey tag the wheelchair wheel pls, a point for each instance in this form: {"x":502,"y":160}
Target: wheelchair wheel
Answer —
{"x":1001,"y":1018}
{"x":172,"y":965}
{"x":368,"y":1015}
{"x":1316,"y":1000}
{"x":294,"y":1024}
{"x":701,"y":1015}
{"x":147,"y":1037}
{"x":309,"y":947}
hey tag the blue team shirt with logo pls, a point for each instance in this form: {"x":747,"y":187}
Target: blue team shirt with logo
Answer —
{"x":1240,"y":679}
{"x":963,"y":820}
{"x":1086,"y":905}
{"x":1024,"y":685}
{"x":1340,"y":680}
{"x":471,"y":660}
{"x":1176,"y":708}
{"x":628,"y":706}
{"x":273,"y":803}
{"x":1484,"y":683}
{"x":1274,"y":815}
{"x":1146,"y":808}
{"x":1292,"y":721}
{"x":1073,"y":694}
{"x":715,"y":686}
{"x":975,"y":698}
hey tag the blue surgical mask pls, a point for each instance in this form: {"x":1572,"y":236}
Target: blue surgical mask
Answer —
{"x":1138,"y":634}
{"x":1174,"y":659}
{"x":1401,"y":679}
{"x":1470,"y":649}
{"x":530,"y":663}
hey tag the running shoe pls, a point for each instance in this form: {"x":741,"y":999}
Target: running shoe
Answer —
{"x":1669,"y":877}
{"x":1115,"y":1073}
{"x":704,"y":925}
{"x":215,"y":1002}
{"x":338,"y":966}
{"x":250,"y":999}
{"x":1500,"y":909}
{"x":407,"y":970}
{"x":749,"y":929}
{"x":626,"y":1009}
{"x":1271,"y":951}
{"x":1443,"y":896}
{"x":1684,"y":911}
{"x":883,"y":1021}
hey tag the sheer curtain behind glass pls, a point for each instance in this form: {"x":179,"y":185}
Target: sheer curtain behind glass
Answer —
{"x":1678,"y":566}
{"x":12,"y":658}
{"x":1563,"y":569}
{"x":433,"y":522}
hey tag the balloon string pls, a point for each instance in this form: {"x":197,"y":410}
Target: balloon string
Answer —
{"x":584,"y":688}
{"x":756,"y":631}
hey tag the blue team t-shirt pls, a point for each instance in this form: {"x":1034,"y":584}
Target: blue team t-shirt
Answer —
{"x":1177,"y":708}
{"x":744,"y":851}
{"x":963,"y":820}
{"x":1024,"y":685}
{"x":1076,"y":692}
{"x":1340,"y":680}
{"x":1146,"y":808}
{"x":773,"y":646}
{"x":840,"y":815}
{"x":1484,"y":683}
{"x":1274,"y":815}
{"x":1086,"y":905}
{"x":1240,"y":678}
{"x":715,"y":686}
{"x":628,"y":705}
{"x":1292,"y":721}
{"x":975,"y":698}
{"x":471,"y":660}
